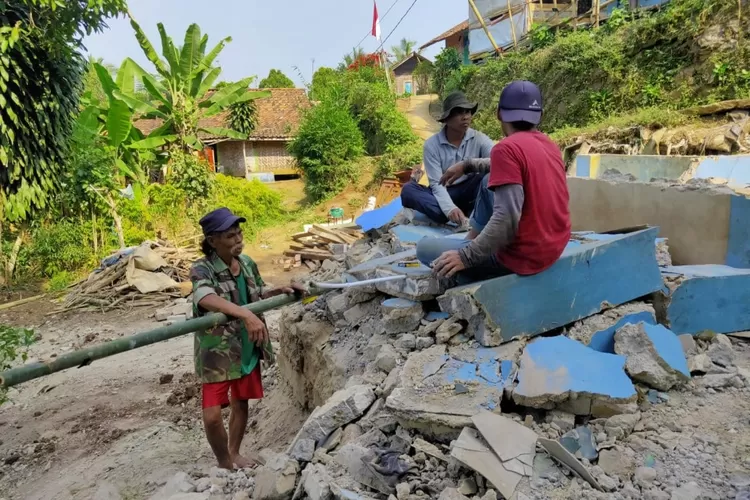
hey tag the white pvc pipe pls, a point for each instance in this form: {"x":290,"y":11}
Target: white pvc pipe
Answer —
{"x":330,"y":286}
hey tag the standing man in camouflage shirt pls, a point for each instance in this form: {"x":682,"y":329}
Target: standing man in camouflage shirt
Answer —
{"x":227,"y":358}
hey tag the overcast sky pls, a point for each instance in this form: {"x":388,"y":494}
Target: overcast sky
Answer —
{"x":278,"y":34}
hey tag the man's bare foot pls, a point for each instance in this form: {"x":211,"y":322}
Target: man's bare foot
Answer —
{"x":242,"y":462}
{"x":226,"y":465}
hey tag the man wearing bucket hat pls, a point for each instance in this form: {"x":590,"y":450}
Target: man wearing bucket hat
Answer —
{"x":521,"y":222}
{"x":227,"y":357}
{"x":455,"y":143}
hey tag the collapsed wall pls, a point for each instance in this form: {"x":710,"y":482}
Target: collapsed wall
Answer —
{"x":421,"y":391}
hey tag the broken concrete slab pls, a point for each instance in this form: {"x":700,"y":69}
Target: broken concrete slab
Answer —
{"x":341,"y":408}
{"x":430,"y":449}
{"x":598,"y":331}
{"x":303,"y":450}
{"x":387,"y":358}
{"x":563,"y":420}
{"x":470,"y":450}
{"x":358,"y":462}
{"x":564,"y":457}
{"x":366,"y":270}
{"x":276,"y":479}
{"x":704,"y":297}
{"x":316,"y":482}
{"x":513,"y":443}
{"x":721,"y":354}
{"x":688,"y":344}
{"x":618,"y":461}
{"x":699,"y":364}
{"x":588,"y":278}
{"x":401,"y":315}
{"x":654,"y":355}
{"x":554,"y":370}
{"x":420,"y":282}
{"x":440,"y":392}
{"x":358,"y":312}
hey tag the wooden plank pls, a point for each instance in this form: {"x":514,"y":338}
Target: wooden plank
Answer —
{"x":309,"y":255}
{"x":26,"y":300}
{"x":299,"y":236}
{"x":322,"y":234}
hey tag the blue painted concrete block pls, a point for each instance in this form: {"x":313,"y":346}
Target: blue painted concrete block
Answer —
{"x":738,"y":241}
{"x":735,"y":169}
{"x":375,"y":219}
{"x":604,"y":340}
{"x":555,"y":368}
{"x":588,"y":277}
{"x":705,"y":297}
{"x":668,"y":346}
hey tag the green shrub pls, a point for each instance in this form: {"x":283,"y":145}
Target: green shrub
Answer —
{"x":327,"y":142}
{"x":399,"y":158}
{"x":382,"y":124}
{"x":57,"y":247}
{"x":447,"y":62}
{"x":253,"y":200}
{"x":60,"y":281}
{"x":191,"y":175}
{"x":14,"y":344}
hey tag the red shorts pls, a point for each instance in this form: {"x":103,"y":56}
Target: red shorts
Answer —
{"x":248,"y":387}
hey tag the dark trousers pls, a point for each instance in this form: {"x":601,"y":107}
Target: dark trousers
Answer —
{"x":421,"y":199}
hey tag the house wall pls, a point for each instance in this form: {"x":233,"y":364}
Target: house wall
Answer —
{"x":401,"y":84}
{"x":238,"y":158}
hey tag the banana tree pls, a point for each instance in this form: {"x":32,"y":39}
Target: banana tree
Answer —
{"x":183,"y":96}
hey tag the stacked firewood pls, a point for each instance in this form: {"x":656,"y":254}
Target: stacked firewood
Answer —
{"x":108,"y":288}
{"x":320,"y":243}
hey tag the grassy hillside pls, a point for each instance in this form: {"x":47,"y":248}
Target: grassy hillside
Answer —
{"x":643,"y":65}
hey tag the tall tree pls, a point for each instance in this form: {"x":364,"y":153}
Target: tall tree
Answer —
{"x":404,"y":49}
{"x":184,"y":94}
{"x":41,"y":67}
{"x":276,"y":80}
{"x":355,"y":54}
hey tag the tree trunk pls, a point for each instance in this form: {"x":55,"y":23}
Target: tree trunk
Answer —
{"x":13,"y":258}
{"x":117,"y":219}
{"x":93,"y":231}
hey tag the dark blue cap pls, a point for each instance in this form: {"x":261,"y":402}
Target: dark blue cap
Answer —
{"x":219,"y":221}
{"x":521,"y":101}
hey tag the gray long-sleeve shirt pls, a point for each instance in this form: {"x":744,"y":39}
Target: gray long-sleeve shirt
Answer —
{"x":440,"y":155}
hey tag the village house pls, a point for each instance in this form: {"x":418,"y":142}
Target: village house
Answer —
{"x":265,"y":152}
{"x":406,"y":81}
{"x":456,"y":37}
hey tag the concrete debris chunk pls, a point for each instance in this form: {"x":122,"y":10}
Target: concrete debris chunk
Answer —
{"x":598,"y":331}
{"x":387,"y":358}
{"x":721,"y":354}
{"x":513,"y":443}
{"x":406,"y":342}
{"x":303,"y":450}
{"x":470,"y":450}
{"x":420,"y":282}
{"x":688,"y":491}
{"x":562,"y":419}
{"x":179,"y":483}
{"x":420,"y":444}
{"x":557,"y":370}
{"x":401,"y":315}
{"x":654,"y":355}
{"x":341,"y":408}
{"x":316,"y":482}
{"x":700,"y":364}
{"x":563,"y":456}
{"x":688,"y":344}
{"x":452,"y":494}
{"x":447,"y":330}
{"x":620,"y":426}
{"x":618,"y":461}
{"x":276,"y":479}
{"x":358,"y":460}
{"x":355,"y":314}
{"x":623,"y":268}
{"x":336,"y":304}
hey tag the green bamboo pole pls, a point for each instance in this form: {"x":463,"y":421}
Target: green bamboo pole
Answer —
{"x":82,"y":357}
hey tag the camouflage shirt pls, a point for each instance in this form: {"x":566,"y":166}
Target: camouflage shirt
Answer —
{"x":218,"y":352}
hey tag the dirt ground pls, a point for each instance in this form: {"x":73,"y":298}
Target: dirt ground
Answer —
{"x":113,"y":420}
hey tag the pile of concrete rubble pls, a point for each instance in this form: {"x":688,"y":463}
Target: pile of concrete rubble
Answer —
{"x":516,"y":387}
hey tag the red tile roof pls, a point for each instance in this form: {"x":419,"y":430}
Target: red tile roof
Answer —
{"x":456,"y":29}
{"x":279,"y":116}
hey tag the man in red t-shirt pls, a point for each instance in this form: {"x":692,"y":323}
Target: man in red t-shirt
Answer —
{"x":521,"y":221}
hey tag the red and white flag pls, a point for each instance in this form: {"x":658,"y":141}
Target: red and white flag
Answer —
{"x":375,"y":22}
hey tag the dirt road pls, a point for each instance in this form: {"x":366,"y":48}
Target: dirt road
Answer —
{"x":417,"y":110}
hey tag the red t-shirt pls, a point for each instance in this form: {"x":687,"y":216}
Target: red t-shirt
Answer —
{"x":532,"y":160}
